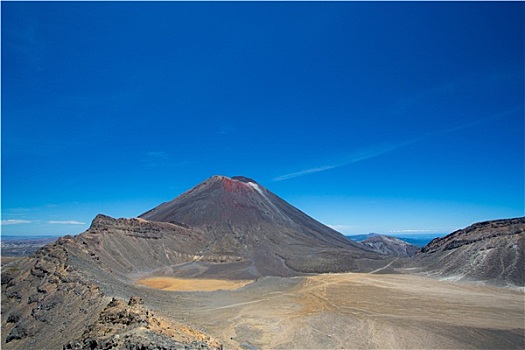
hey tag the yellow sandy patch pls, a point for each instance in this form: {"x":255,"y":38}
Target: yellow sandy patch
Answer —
{"x":194,"y":285}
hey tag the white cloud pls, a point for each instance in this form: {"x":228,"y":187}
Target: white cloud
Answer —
{"x":65,"y":222}
{"x":364,"y":154}
{"x":15,"y":222}
{"x":379,"y":150}
{"x":304,"y":172}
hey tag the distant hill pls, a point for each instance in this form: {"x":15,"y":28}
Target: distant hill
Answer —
{"x":390,"y":246}
{"x":490,"y":251}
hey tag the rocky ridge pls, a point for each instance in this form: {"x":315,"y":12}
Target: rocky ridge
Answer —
{"x":490,"y":251}
{"x":44,"y":295}
{"x":63,"y":288}
{"x":131,"y":326}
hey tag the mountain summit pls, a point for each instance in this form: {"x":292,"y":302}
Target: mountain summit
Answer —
{"x":246,"y":223}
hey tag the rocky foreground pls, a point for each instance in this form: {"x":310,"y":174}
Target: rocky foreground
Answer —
{"x":128,"y":325}
{"x":48,"y":303}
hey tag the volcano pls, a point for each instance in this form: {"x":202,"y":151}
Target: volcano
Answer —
{"x":248,"y":226}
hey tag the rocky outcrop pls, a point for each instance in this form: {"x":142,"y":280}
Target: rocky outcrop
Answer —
{"x":43,"y":296}
{"x":49,"y":299}
{"x":130,"y":325}
{"x":135,"y":245}
{"x":490,"y":251}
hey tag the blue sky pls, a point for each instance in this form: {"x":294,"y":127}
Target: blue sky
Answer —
{"x":371,"y":117}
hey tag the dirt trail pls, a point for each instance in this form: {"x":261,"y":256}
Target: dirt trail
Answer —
{"x":384,"y":267}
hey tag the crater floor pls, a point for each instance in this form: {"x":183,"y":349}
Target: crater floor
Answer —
{"x":351,"y":310}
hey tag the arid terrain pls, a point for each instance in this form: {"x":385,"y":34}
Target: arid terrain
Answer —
{"x":229,"y":264}
{"x":352,"y":310}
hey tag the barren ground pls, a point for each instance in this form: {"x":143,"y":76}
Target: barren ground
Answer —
{"x":349,"y":311}
{"x":181,"y":284}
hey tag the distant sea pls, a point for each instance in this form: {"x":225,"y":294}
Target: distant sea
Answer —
{"x":419,"y":240}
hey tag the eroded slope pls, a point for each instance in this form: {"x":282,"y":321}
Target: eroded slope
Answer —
{"x":490,"y":251}
{"x":51,"y":299}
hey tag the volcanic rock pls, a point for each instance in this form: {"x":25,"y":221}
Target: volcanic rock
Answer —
{"x":490,"y":251}
{"x":49,"y":299}
{"x":131,"y":326}
{"x":43,"y":296}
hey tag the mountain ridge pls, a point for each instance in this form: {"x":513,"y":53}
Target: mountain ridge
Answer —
{"x":490,"y":251}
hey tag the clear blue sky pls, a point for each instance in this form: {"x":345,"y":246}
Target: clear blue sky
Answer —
{"x":370,"y":117}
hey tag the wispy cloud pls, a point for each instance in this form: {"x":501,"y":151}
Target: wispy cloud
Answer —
{"x":305,"y":172}
{"x":65,"y":222}
{"x":358,"y":156}
{"x":15,"y":222}
{"x":382,"y":149}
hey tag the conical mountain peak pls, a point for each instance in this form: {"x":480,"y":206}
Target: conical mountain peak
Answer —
{"x":241,"y":218}
{"x":222,"y":201}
